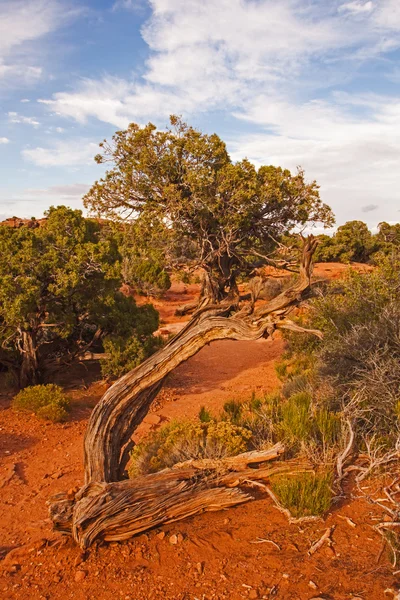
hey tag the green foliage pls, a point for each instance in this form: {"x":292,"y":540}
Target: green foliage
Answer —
{"x":294,"y":384}
{"x":123,"y":355}
{"x":46,"y":401}
{"x":218,"y":212}
{"x":352,"y":242}
{"x":304,"y":494}
{"x":204,"y":415}
{"x":356,"y":365}
{"x":179,"y":441}
{"x":233,"y":410}
{"x":143,"y":247}
{"x":296,"y":423}
{"x":59,"y":292}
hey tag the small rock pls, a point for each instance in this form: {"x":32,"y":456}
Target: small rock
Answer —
{"x":173,"y":539}
{"x":200,"y":568}
{"x":253,"y":594}
{"x":285,"y":575}
{"x":312,"y":585}
{"x":179,"y":537}
{"x":80,"y":576}
{"x":161,"y":535}
{"x":14,"y":568}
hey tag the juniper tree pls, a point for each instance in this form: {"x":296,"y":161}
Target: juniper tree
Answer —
{"x":59,"y":293}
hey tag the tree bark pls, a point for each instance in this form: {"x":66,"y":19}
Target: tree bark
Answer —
{"x":107,"y":442}
{"x":119,"y":510}
{"x":29,"y":372}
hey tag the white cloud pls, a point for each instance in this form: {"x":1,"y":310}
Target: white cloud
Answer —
{"x":219,"y":55}
{"x":25,"y":100}
{"x":4,"y":140}
{"x":206,"y":56}
{"x":259,"y":60}
{"x":14,"y":117}
{"x":68,"y":153}
{"x":354,"y":158}
{"x":356,"y":7}
{"x":23,"y":23}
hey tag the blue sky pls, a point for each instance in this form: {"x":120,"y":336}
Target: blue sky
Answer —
{"x":314,"y":83}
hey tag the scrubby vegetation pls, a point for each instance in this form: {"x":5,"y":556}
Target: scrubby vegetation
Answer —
{"x":304,"y":494}
{"x":59,"y":297}
{"x":46,"y":401}
{"x":355,"y":369}
{"x":346,"y":383}
{"x":179,"y":441}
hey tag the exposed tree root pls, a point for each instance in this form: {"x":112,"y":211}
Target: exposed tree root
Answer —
{"x":117,"y":511}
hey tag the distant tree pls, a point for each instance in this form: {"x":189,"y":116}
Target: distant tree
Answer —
{"x":222,"y":214}
{"x":352,"y":242}
{"x":387,"y":239}
{"x":59,"y":294}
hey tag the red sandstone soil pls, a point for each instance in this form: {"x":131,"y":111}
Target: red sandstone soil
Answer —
{"x":222,"y":555}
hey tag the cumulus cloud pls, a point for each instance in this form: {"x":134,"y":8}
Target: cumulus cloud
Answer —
{"x":4,"y":140}
{"x":266,"y":63}
{"x":68,"y":153}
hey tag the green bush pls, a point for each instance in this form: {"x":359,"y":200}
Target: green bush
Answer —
{"x":297,"y":383}
{"x":204,"y":415}
{"x":304,"y":494}
{"x":46,"y":401}
{"x":123,"y":355}
{"x":296,"y":423}
{"x":179,"y":441}
{"x":232,"y":410}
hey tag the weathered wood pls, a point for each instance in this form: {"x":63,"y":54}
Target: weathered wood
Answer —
{"x":119,"y":510}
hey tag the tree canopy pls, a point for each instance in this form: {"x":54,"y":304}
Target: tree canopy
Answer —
{"x":59,"y":293}
{"x":219,"y":213}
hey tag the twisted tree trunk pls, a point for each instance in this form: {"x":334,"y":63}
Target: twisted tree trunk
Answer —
{"x":107,"y":442}
{"x":29,"y":372}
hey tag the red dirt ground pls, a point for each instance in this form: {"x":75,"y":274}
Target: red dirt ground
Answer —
{"x":246,"y":552}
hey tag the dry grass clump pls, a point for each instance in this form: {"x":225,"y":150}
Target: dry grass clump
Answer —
{"x":304,"y":494}
{"x":46,"y":401}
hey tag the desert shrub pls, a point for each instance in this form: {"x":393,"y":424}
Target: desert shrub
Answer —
{"x":304,"y":494}
{"x":296,"y":423}
{"x":204,"y":415}
{"x":184,"y":440}
{"x":298,"y":383}
{"x":123,"y":355}
{"x":233,"y":410}
{"x":46,"y":401}
{"x":328,"y":427}
{"x":356,"y":370}
{"x":226,"y":439}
